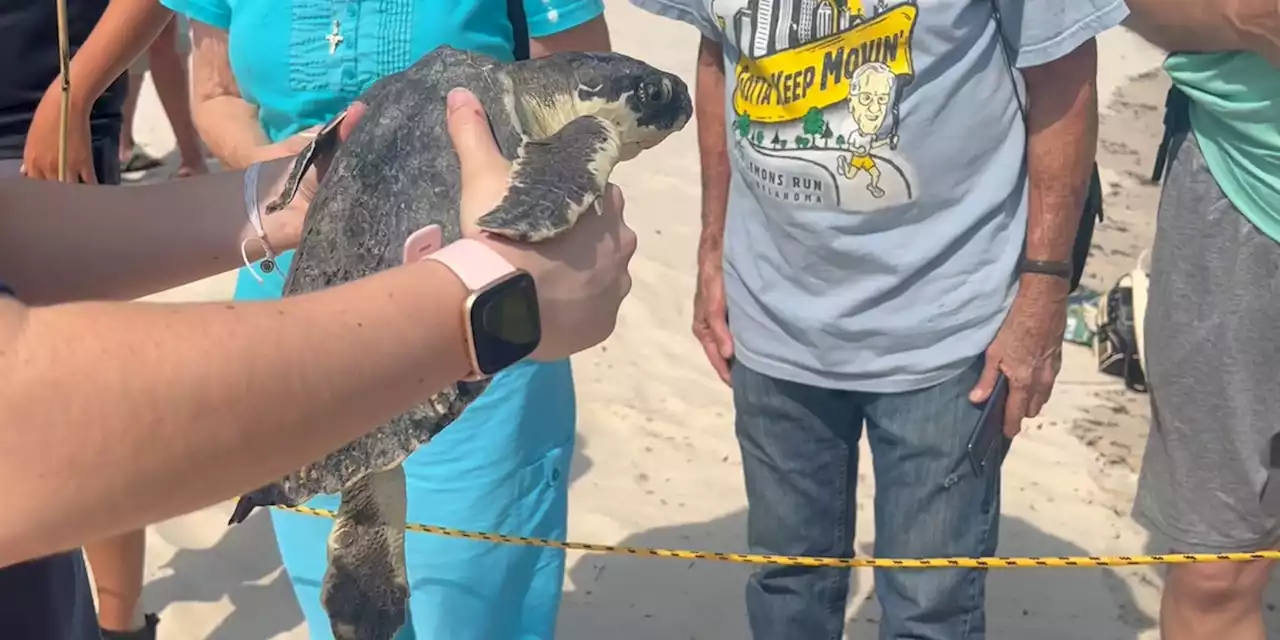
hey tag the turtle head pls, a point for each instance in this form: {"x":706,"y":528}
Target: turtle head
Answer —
{"x":644,"y":103}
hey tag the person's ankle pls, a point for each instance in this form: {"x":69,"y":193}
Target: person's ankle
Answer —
{"x":187,"y":171}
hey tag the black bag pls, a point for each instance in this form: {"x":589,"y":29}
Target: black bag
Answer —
{"x":1093,"y":199}
{"x":1116,"y":341}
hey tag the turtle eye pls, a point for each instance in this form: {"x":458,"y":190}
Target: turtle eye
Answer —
{"x":589,"y":82}
{"x":656,"y":92}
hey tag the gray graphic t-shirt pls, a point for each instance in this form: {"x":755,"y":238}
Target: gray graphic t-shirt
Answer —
{"x":878,"y":202}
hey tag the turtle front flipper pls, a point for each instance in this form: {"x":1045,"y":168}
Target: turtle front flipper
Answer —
{"x":268,"y":496}
{"x":325,"y":143}
{"x":555,"y":179}
{"x":366,"y":588}
{"x":290,"y":491}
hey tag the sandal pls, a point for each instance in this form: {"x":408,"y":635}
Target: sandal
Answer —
{"x":140,"y":160}
{"x":147,"y":632}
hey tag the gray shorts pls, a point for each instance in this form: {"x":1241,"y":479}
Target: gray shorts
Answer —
{"x":1213,"y":354}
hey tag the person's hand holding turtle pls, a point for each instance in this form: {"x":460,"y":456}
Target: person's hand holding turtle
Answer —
{"x":286,"y":148}
{"x":581,"y":276}
{"x":284,"y":227}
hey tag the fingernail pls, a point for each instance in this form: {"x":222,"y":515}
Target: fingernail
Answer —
{"x":456,"y":99}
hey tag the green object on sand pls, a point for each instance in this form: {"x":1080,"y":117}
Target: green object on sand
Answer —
{"x":1082,"y":315}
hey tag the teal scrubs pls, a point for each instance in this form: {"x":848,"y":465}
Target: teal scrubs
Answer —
{"x":504,"y":465}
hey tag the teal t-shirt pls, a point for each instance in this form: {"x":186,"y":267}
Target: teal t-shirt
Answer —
{"x":503,"y":466}
{"x":1235,"y":111}
{"x":324,"y":54}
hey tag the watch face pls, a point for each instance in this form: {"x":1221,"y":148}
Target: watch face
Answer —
{"x":505,"y":324}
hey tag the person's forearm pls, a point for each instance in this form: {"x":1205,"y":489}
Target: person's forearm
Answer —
{"x":227,"y":123}
{"x":229,"y":128}
{"x":62,"y":242}
{"x":713,"y":150}
{"x":592,"y":35}
{"x":1208,"y":25}
{"x":124,"y":32}
{"x":120,"y":414}
{"x":1062,"y":129}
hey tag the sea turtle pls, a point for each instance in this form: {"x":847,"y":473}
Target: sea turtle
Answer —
{"x":565,"y":121}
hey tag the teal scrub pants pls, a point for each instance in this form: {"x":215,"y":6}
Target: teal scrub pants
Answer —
{"x":502,"y":467}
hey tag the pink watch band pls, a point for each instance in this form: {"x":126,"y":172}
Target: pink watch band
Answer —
{"x":473,"y":262}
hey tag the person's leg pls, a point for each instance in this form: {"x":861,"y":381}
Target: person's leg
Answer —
{"x":117,"y":564}
{"x":929,"y":503}
{"x":129,"y":109}
{"x":552,"y":435}
{"x":1214,"y":602}
{"x":118,"y":561}
{"x":873,"y":172}
{"x":168,"y":57}
{"x":800,"y":461}
{"x":132,"y":157}
{"x":106,"y":162}
{"x":503,"y":467}
{"x":1212,"y":356}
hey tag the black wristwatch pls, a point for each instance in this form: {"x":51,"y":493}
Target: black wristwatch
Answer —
{"x":1056,"y":268}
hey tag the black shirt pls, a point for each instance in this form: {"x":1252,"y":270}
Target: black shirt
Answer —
{"x":48,"y":599}
{"x":29,"y":64}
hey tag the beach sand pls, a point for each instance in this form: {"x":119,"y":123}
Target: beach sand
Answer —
{"x":658,"y":465}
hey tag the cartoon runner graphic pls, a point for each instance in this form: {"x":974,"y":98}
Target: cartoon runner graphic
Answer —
{"x":871,"y":97}
{"x":816,"y":96}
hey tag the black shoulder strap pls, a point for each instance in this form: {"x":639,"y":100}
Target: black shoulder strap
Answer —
{"x":1177,"y":123}
{"x":519,"y":28}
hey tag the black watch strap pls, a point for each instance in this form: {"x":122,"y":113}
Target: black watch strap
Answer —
{"x":1056,"y":268}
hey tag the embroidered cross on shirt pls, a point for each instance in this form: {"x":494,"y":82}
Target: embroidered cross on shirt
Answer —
{"x":334,"y":38}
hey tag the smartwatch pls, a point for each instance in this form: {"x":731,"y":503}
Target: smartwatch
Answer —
{"x":500,"y":316}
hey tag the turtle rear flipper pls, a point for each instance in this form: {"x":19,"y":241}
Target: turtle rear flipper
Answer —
{"x":366,"y":587}
{"x":555,"y":179}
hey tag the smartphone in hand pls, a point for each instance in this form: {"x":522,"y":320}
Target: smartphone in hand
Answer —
{"x":988,"y":443}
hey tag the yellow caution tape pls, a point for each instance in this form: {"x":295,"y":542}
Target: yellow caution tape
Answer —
{"x":808,"y":561}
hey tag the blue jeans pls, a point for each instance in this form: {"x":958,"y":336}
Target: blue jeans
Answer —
{"x":800,"y":457}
